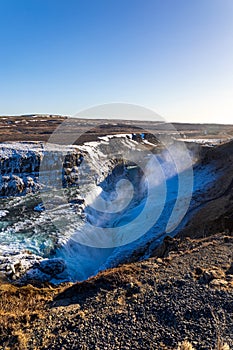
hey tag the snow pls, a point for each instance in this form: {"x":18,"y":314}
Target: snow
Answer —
{"x":108,"y":137}
{"x":117,"y":222}
{"x":3,"y":213}
{"x":148,"y":143}
{"x":203,"y":141}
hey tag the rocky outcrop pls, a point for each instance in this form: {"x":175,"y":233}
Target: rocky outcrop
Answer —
{"x":215,"y":212}
{"x":25,"y":267}
{"x":15,"y":265}
{"x":20,"y":166}
{"x":43,"y":271}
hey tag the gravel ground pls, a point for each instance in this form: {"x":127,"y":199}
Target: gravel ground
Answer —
{"x":154,"y":304}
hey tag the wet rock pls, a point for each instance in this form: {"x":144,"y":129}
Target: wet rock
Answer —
{"x":35,"y":275}
{"x":52,"y":267}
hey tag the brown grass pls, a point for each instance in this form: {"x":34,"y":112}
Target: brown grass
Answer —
{"x":222,"y":346}
{"x":19,"y":307}
{"x":185,"y":345}
{"x":21,"y":300}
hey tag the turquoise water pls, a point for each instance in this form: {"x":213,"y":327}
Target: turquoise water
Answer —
{"x":24,"y":228}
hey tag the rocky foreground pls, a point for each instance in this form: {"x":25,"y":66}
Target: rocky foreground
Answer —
{"x":187,"y":294}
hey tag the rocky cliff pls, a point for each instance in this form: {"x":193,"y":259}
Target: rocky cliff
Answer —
{"x":20,"y":166}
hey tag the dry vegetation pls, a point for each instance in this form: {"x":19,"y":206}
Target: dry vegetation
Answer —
{"x":186,"y":345}
{"x":19,"y":307}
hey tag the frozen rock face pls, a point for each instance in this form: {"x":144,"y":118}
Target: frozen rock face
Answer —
{"x":27,"y":221}
{"x":44,"y":271}
{"x":27,"y":233}
{"x":24,"y":267}
{"x":15,"y":265}
{"x":20,"y":166}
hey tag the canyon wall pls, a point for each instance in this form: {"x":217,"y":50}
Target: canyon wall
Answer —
{"x":20,"y":166}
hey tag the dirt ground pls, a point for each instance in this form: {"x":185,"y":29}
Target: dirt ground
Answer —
{"x":39,"y":128}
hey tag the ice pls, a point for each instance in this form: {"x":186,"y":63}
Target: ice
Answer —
{"x":110,"y":201}
{"x":98,"y":259}
{"x":3,"y":213}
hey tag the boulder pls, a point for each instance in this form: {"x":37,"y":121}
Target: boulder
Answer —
{"x":52,"y":267}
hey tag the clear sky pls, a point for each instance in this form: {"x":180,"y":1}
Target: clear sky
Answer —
{"x":174,"y":56}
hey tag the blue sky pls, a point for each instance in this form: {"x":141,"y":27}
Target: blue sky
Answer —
{"x":174,"y":56}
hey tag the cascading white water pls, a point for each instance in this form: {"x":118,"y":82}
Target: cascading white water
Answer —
{"x":115,"y":194}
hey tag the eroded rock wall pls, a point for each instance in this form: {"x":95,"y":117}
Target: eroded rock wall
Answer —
{"x":20,"y":166}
